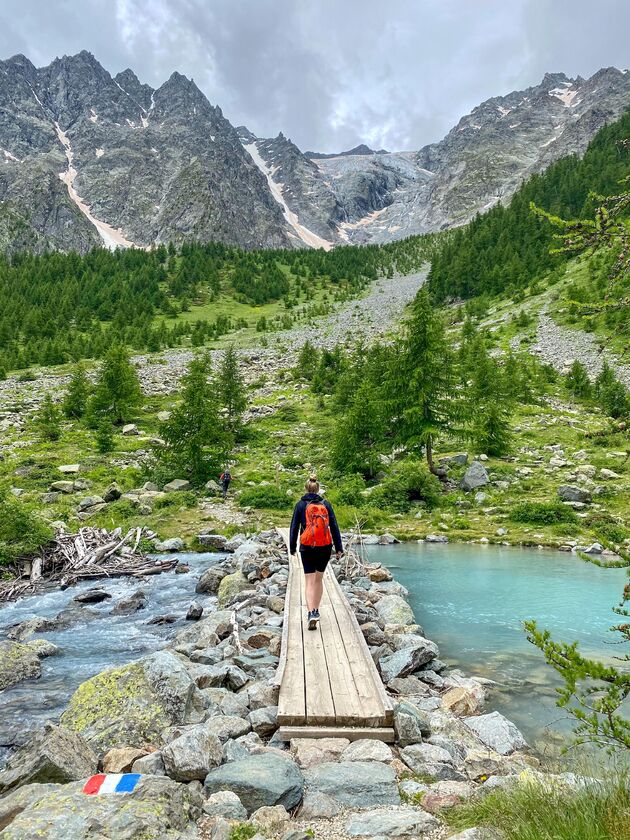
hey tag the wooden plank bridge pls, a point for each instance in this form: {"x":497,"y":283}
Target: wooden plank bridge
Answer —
{"x":329,"y":685}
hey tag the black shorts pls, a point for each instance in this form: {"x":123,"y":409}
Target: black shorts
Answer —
{"x":315,"y":557}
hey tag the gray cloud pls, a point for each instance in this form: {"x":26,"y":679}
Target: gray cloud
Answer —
{"x":332,"y":73}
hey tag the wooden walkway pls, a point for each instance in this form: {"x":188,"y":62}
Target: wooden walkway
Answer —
{"x":329,"y":685}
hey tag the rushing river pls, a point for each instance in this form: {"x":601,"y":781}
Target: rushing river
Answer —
{"x":88,"y":647}
{"x":472,"y":601}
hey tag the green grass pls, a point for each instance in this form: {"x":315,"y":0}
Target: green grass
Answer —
{"x":531,"y":811}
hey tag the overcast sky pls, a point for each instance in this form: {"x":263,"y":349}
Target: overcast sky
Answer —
{"x":332,"y":73}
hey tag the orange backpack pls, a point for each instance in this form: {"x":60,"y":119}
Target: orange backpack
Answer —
{"x":317,"y":531}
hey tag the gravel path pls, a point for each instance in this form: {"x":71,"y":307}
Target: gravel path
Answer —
{"x":560,"y":346}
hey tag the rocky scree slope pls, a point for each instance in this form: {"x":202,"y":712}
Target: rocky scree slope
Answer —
{"x":198,"y":721}
{"x":87,"y":158}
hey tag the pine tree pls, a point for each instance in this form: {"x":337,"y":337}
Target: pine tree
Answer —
{"x":76,"y":398}
{"x":117,"y":391}
{"x":358,"y":433}
{"x":104,"y":437}
{"x":422,"y":384}
{"x":231,"y":388}
{"x":194,"y":441}
{"x":489,"y":406}
{"x":48,"y":420}
{"x":307,"y":362}
{"x":577,"y":381}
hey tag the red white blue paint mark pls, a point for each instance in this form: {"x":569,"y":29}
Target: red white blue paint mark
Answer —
{"x":111,"y":783}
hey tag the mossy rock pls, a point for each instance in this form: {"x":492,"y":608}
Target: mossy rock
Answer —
{"x":17,"y":662}
{"x":131,"y":705}
{"x":230,"y":586}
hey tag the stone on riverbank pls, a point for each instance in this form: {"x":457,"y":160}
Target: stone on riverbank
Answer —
{"x":394,"y":610}
{"x":230,"y":586}
{"x":131,"y":705}
{"x":475,"y":476}
{"x":193,"y":755}
{"x":158,"y":807}
{"x":356,"y":784}
{"x":17,"y":662}
{"x":53,"y":755}
{"x":210,"y":580}
{"x":408,"y":659}
{"x":394,"y":822}
{"x":497,"y":732}
{"x":266,"y":779}
{"x":410,"y":724}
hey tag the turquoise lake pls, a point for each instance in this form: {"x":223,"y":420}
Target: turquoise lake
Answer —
{"x":472,"y":600}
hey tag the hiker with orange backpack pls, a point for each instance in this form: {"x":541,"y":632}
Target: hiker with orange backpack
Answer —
{"x":315,"y":524}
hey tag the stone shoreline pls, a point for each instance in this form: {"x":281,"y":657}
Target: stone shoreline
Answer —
{"x":198,"y":721}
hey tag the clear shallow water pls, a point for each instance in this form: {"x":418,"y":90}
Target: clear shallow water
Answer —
{"x":89,"y":647}
{"x":472,"y":600}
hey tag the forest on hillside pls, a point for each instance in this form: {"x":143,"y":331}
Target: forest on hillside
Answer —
{"x":510,"y":247}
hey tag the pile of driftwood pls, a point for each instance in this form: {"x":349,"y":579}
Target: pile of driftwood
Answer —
{"x":90,"y":553}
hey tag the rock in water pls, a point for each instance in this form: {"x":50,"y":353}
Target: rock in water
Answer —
{"x":17,"y":662}
{"x":131,"y":705}
{"x":54,"y":755}
{"x":497,"y":732}
{"x":475,"y":476}
{"x":157,"y":808}
{"x":195,"y":611}
{"x":266,"y":779}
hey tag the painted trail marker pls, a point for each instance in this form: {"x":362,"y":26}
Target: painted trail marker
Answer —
{"x":111,"y":783}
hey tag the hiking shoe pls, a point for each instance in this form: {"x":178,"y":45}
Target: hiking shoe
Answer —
{"x":313,"y":619}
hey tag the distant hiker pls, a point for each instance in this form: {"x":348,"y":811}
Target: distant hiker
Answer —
{"x":225,"y":478}
{"x":315,"y":524}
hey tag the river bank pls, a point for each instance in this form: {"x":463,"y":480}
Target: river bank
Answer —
{"x":196,"y":717}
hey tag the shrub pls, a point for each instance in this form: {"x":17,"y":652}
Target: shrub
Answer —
{"x":287,"y":414}
{"x":410,"y":482}
{"x":542,"y":513}
{"x":22,"y":530}
{"x":349,"y":491}
{"x":268,"y":496}
{"x":548,"y":811}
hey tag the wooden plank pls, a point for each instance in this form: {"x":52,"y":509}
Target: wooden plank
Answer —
{"x":376,"y":681}
{"x":349,"y":708}
{"x":353,"y":733}
{"x":320,"y":708}
{"x":292,"y":699}
{"x":355,"y":665}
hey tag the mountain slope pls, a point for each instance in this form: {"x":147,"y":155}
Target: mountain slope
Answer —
{"x":88,"y":159}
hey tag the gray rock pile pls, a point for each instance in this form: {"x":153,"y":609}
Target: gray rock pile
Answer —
{"x":198,"y":721}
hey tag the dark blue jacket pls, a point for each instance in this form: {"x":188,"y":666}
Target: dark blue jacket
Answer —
{"x":298,"y":523}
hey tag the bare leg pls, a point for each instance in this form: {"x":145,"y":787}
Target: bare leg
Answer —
{"x":314,"y":590}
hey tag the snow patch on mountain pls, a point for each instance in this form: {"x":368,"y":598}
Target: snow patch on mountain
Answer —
{"x":307,"y":236}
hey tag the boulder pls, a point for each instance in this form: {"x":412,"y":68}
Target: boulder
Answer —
{"x":157,"y":807}
{"x":225,"y":804}
{"x":17,"y":662}
{"x":43,"y":648}
{"x":311,"y":751}
{"x":410,"y":724}
{"x":497,"y":732}
{"x":316,"y":806}
{"x":122,"y":759}
{"x":403,"y":822}
{"x":464,"y":700}
{"x":113,"y":493}
{"x":177,"y":485}
{"x":53,"y":755}
{"x":230,"y":587}
{"x":570,"y":493}
{"x":69,"y":469}
{"x":270,"y":818}
{"x":357,"y":784}
{"x":172,"y":544}
{"x":475,"y":476}
{"x":394,"y":610}
{"x":408,"y":659}
{"x":444,"y":795}
{"x":150,"y":765}
{"x":131,"y":705}
{"x":217,"y":542}
{"x":131,"y":605}
{"x":264,"y":721}
{"x":608,"y":475}
{"x":92,"y":596}
{"x":367,"y":749}
{"x":91,"y":502}
{"x":193,"y":755}
{"x":265,"y":779}
{"x":62,"y":487}
{"x":436,"y":538}
{"x":227,"y":726}
{"x":210,"y":580}
{"x":130,"y":429}
{"x":429,"y":760}
{"x":195,"y":611}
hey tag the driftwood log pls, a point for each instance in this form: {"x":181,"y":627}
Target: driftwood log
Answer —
{"x":91,"y":553}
